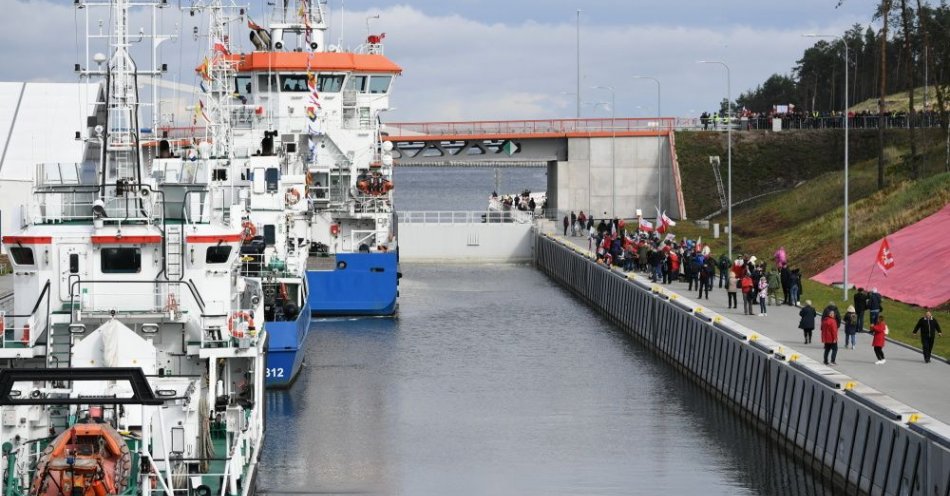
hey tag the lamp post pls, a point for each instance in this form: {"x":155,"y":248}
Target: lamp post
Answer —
{"x":578,"y":63}
{"x":729,"y":146}
{"x":844,"y":42}
{"x":613,"y":148}
{"x":659,"y":156}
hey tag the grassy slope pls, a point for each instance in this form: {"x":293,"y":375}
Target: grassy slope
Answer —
{"x":807,"y":219}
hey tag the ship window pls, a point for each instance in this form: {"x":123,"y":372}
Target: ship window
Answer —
{"x":267,"y":83}
{"x":379,"y":84}
{"x":73,"y":263}
{"x":271,"y":177}
{"x":356,"y":83}
{"x":330,"y":83}
{"x":22,"y":256}
{"x":218,"y":254}
{"x":121,"y":260}
{"x":242,"y":85}
{"x":270,"y":235}
{"x":294,"y":83}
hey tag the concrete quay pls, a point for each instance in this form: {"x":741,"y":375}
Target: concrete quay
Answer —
{"x":905,"y":377}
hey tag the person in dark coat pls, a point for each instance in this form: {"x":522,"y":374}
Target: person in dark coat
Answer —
{"x":567,"y":223}
{"x":573,"y":223}
{"x":829,"y":335}
{"x":724,"y":265}
{"x":929,"y":329}
{"x":860,"y":306}
{"x":874,"y":305}
{"x":786,"y":277}
{"x":807,"y":322}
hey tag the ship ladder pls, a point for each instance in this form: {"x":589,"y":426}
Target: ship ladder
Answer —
{"x":714,"y":162}
{"x":173,"y":253}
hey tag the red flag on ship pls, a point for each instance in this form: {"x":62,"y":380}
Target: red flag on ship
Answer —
{"x":220,"y":48}
{"x":252,"y":25}
{"x":885,"y":259}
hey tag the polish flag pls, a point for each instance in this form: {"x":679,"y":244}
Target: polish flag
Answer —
{"x":645,"y":225}
{"x":885,"y":259}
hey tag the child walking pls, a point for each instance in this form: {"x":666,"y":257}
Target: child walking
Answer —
{"x":879,"y":329}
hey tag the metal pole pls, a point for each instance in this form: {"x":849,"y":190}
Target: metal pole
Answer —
{"x":579,"y":67}
{"x":613,"y":154}
{"x":846,"y":128}
{"x":729,"y":134}
{"x":659,"y":145}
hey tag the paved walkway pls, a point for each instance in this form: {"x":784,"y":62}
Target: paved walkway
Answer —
{"x":6,"y":284}
{"x":905,"y":377}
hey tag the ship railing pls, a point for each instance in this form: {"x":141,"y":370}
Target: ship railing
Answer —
{"x":372,"y":204}
{"x":26,"y":456}
{"x":461,"y":217}
{"x":370,"y":49}
{"x":359,"y":237}
{"x":531,"y":127}
{"x":255,"y":267}
{"x":22,"y":331}
{"x":244,"y":116}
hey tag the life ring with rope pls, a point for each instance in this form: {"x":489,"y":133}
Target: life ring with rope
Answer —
{"x":236,"y":332}
{"x":248,"y":230}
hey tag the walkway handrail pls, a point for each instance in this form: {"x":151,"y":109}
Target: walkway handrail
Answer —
{"x":546,"y":126}
{"x":461,"y":217}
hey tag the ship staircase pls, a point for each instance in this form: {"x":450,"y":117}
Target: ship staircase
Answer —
{"x":338,"y":165}
{"x":173,"y":252}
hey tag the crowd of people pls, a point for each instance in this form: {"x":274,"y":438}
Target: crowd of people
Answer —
{"x":797,"y":119}
{"x":655,"y":252}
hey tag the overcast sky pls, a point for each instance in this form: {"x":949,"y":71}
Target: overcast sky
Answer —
{"x":494,"y":59}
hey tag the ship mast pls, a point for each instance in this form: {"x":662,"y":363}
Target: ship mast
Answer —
{"x":219,"y":75}
{"x":121,"y":150}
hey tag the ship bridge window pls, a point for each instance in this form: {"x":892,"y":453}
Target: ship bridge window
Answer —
{"x":121,"y":260}
{"x":293,"y":83}
{"x":330,"y":83}
{"x":357,"y":83}
{"x":379,"y":84}
{"x":218,"y":254}
{"x":22,"y":255}
{"x":267,"y":83}
{"x":242,"y":86}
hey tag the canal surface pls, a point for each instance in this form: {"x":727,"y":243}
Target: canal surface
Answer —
{"x":460,"y":188}
{"x":495,"y":381}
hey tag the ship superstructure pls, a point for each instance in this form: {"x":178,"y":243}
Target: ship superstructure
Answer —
{"x":263,"y":190}
{"x":313,"y":107}
{"x":133,"y":358}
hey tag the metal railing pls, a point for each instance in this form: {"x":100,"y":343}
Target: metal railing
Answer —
{"x":549,"y":126}
{"x":463,"y":217}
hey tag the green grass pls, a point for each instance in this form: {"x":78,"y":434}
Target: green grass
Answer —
{"x":806,"y":217}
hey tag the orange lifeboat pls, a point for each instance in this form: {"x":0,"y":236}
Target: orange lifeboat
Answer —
{"x":87,"y":459}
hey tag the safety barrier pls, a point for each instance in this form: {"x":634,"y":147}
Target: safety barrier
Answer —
{"x":850,"y":433}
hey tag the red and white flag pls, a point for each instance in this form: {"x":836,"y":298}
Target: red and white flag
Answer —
{"x":885,"y":259}
{"x":645,"y":225}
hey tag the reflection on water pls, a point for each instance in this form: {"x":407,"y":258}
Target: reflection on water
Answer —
{"x":494,"y":381}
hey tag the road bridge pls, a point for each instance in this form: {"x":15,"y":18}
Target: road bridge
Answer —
{"x":611,"y":166}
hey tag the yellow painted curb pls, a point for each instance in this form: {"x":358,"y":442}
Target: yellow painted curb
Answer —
{"x":848,"y":386}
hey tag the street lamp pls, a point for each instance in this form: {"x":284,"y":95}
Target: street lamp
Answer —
{"x":659,"y":156}
{"x":846,"y":127}
{"x":729,"y":147}
{"x":613,"y":148}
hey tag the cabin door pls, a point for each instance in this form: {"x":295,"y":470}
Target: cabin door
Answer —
{"x":73,"y":267}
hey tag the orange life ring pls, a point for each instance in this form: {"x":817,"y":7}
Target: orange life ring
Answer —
{"x":248,"y":230}
{"x":246,"y":317}
{"x":292,"y":196}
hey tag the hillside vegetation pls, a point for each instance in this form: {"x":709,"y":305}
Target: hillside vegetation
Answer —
{"x":807,"y":217}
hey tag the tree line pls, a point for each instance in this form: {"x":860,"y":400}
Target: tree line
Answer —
{"x":910,"y":49}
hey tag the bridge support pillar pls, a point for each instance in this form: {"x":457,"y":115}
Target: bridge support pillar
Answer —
{"x":615,"y":176}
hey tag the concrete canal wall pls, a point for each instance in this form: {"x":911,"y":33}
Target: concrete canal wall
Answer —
{"x":850,"y":432}
{"x":464,"y":237}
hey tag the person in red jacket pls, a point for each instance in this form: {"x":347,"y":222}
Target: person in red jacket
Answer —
{"x":829,"y":336}
{"x":879,"y":329}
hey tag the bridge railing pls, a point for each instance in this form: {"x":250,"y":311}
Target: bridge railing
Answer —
{"x":548,"y":126}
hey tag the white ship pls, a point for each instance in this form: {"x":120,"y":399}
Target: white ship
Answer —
{"x":313,"y":107}
{"x":133,"y":359}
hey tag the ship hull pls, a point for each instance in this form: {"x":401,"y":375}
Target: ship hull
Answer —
{"x":362,"y":284}
{"x":285,"y":349}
